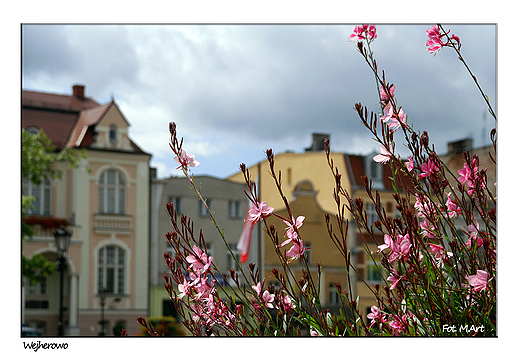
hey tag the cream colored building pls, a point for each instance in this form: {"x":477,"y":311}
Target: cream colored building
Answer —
{"x":106,"y":201}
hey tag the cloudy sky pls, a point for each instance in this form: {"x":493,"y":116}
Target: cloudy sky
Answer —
{"x":236,"y":90}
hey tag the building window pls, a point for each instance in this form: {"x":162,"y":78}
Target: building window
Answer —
{"x":112,"y":192}
{"x":40,"y":288}
{"x":373,"y":274}
{"x":203,"y":211}
{"x":176,"y":202}
{"x":234,"y":209}
{"x":333,"y":295}
{"x":111,"y":269}
{"x":42,"y":197}
{"x":112,"y":134}
{"x":371,"y":214}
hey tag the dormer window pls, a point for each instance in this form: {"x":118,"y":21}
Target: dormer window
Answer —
{"x":374,"y":170}
{"x":112,"y":134}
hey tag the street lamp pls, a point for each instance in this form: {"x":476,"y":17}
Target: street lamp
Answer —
{"x":62,"y":237}
{"x":102,"y":295}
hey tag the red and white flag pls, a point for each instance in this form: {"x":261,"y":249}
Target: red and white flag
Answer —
{"x":245,"y":239}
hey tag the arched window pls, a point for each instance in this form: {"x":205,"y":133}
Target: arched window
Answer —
{"x":111,"y":269}
{"x":111,"y":192}
{"x":42,"y":197}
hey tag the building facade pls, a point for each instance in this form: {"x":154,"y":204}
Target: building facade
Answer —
{"x":106,"y":202}
{"x":225,"y":199}
{"x":306,"y":175}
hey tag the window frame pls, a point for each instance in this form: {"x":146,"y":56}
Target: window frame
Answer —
{"x":202,"y":208}
{"x":118,"y":282}
{"x":42,"y":197}
{"x":119,"y":192}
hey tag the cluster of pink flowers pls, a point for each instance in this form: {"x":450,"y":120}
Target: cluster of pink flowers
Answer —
{"x":399,"y":248}
{"x":208,"y":308}
{"x":470,"y":175}
{"x":435,"y":42}
{"x":269,"y":300}
{"x":363,"y":32}
{"x":393,"y":120}
{"x":291,"y":232}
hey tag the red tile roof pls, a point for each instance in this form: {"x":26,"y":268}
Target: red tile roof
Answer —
{"x":56,"y":101}
{"x":67,"y":120}
{"x":356,"y":169}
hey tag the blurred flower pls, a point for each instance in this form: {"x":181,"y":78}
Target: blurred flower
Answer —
{"x":428,"y":168}
{"x":363,"y":32}
{"x":185,"y":160}
{"x":409,"y":164}
{"x":478,"y":281}
{"x":384,"y":156}
{"x":256,"y":213}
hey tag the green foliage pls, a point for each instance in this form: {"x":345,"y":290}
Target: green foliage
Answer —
{"x":36,"y":267}
{"x":39,"y":157}
{"x":38,"y":164}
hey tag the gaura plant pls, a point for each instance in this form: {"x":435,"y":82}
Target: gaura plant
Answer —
{"x":437,"y":275}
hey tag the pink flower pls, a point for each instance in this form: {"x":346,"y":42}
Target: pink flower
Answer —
{"x":291,"y":230}
{"x":428,"y":229}
{"x":186,"y":160}
{"x":398,"y":324}
{"x":428,"y":168}
{"x":434,"y":42}
{"x":288,"y":304}
{"x":389,"y":243}
{"x":440,"y":254}
{"x":409,"y":164}
{"x":200,"y":262}
{"x":376,"y":315}
{"x":394,"y":278}
{"x":266,"y":298}
{"x":424,"y":206}
{"x":183,"y":288}
{"x":384,"y":156}
{"x":382,"y":93}
{"x":473,"y":232}
{"x":363,"y":32}
{"x":453,"y":209}
{"x":394,"y":121}
{"x":466,"y":173}
{"x":478,"y":281}
{"x":296,"y":251}
{"x":256,"y":213}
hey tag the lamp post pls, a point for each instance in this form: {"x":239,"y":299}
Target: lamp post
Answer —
{"x":102,"y":295}
{"x":62,"y":237}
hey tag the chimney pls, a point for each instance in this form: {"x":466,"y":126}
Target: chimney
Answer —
{"x":318,"y":142}
{"x":457,"y":147}
{"x":78,"y":91}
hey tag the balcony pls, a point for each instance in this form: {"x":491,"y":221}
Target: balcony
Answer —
{"x":112,"y":223}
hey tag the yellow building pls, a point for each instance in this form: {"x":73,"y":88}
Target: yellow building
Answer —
{"x":308,"y":184}
{"x":107,"y":207}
